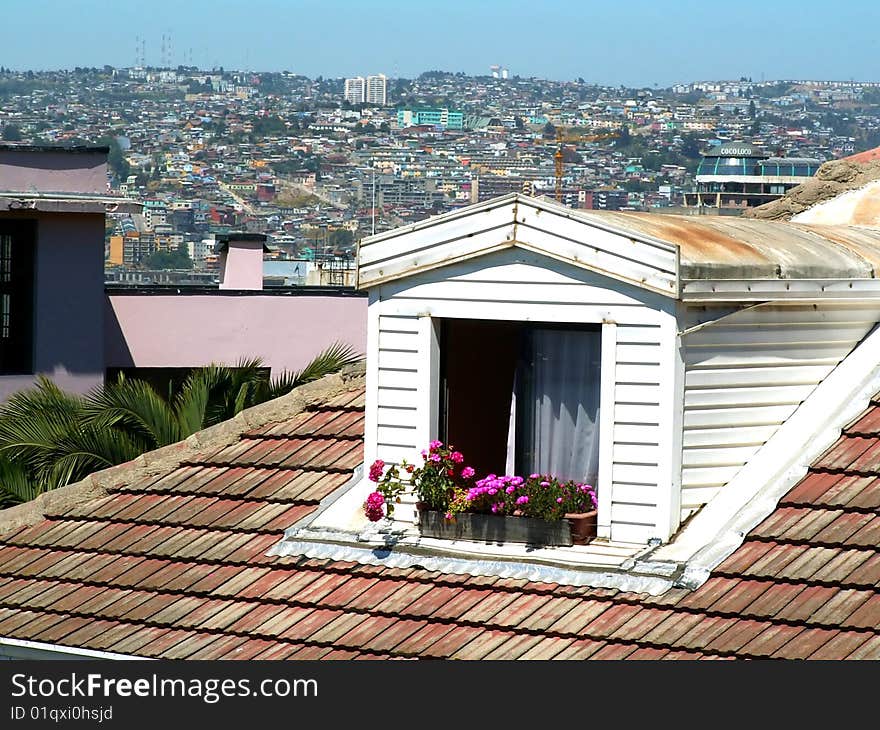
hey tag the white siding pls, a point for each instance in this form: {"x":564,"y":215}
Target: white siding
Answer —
{"x":746,"y":374}
{"x":397,"y":396}
{"x":523,"y":286}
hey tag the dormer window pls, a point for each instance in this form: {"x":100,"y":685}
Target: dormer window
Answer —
{"x":521,"y":398}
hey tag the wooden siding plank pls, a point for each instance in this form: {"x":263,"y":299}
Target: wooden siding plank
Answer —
{"x":707,"y":476}
{"x":534,"y":222}
{"x":781,"y":334}
{"x":398,"y":397}
{"x":640,"y":514}
{"x":745,"y":355}
{"x":636,"y":453}
{"x":719,"y":397}
{"x":398,"y":378}
{"x":727,"y":436}
{"x":573,"y":293}
{"x":622,"y":532}
{"x":639,"y":413}
{"x":718,"y":456}
{"x":647,"y":494}
{"x":434,"y":242}
{"x":746,"y":416}
{"x":758,"y":376}
{"x":406,"y":341}
{"x":389,"y":416}
{"x":642,"y":354}
{"x":631,"y":374}
{"x":637,"y":473}
{"x":633,"y":433}
{"x":490,"y":308}
{"x":637,"y":393}
{"x":397,"y":436}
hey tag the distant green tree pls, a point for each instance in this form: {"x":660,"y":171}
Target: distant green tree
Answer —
{"x":11,"y":133}
{"x":549,"y":131}
{"x":752,"y":110}
{"x":178,"y":259}
{"x":115,"y":158}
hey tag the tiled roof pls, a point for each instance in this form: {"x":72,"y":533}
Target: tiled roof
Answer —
{"x":176,"y":567}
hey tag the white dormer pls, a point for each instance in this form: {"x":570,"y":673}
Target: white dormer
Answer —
{"x":652,"y":355}
{"x":532,"y":342}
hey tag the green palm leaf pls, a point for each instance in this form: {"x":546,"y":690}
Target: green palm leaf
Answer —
{"x":332,"y":360}
{"x":17,"y":484}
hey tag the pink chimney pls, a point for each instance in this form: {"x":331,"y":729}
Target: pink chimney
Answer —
{"x":241,"y":260}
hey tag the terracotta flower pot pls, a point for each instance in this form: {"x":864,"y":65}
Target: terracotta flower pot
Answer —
{"x":583,"y":526}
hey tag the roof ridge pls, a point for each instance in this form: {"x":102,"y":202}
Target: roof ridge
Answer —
{"x":152,"y":463}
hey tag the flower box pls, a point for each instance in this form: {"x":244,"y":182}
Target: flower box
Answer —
{"x":508,"y":528}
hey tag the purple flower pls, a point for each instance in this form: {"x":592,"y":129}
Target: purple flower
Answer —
{"x":510,"y":489}
{"x":559,"y":500}
{"x":522,"y":500}
{"x":545,"y":484}
{"x":467,"y":472}
{"x":435,"y":457}
{"x":435,"y":445}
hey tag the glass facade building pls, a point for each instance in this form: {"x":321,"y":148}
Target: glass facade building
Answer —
{"x":738,"y":175}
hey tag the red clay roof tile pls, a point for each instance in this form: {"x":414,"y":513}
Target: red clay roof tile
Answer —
{"x":175,"y":566}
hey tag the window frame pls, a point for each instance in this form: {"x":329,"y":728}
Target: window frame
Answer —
{"x":430,"y":347}
{"x":17,"y":350}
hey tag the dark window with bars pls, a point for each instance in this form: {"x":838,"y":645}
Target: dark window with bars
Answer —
{"x":16,"y":296}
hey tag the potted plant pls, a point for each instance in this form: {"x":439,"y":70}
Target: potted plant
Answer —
{"x":434,"y":483}
{"x":539,"y":509}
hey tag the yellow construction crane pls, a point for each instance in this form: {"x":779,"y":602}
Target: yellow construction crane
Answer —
{"x":561,"y":138}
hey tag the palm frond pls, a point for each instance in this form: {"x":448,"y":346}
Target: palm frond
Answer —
{"x":33,"y":420}
{"x":133,"y":407}
{"x":329,"y":361}
{"x":17,"y":484}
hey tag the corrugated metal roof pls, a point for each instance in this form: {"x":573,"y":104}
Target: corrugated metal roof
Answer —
{"x":721,"y":247}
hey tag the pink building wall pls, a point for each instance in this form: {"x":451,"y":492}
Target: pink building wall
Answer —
{"x":69,"y":304}
{"x":41,"y":170}
{"x":189,"y":330}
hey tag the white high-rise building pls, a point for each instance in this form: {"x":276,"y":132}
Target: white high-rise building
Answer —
{"x":377,"y":89}
{"x":356,"y":90}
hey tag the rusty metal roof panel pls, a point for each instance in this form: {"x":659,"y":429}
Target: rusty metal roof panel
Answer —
{"x":722,"y":247}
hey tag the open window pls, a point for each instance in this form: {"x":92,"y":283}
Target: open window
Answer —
{"x":522,"y":397}
{"x":16,"y":296}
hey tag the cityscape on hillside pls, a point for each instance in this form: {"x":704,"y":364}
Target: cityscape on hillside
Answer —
{"x":316,"y":164}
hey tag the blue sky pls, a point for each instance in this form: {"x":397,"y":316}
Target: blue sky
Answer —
{"x":633,"y":42}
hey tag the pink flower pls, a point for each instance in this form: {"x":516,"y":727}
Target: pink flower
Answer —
{"x":559,"y":500}
{"x":374,"y":507}
{"x":522,"y":500}
{"x":457,"y":457}
{"x":376,"y":470}
{"x":448,"y":516}
{"x":467,"y":472}
{"x":434,"y":445}
{"x":435,"y":457}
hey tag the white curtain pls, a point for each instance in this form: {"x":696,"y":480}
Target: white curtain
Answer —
{"x":554,"y":425}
